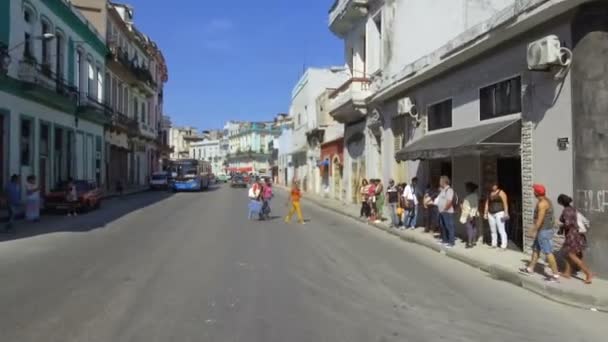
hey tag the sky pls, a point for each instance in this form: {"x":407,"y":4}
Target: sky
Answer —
{"x":236,"y":59}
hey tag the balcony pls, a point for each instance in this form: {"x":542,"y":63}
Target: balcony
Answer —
{"x":122,"y":123}
{"x":138,"y":76}
{"x":344,"y":14}
{"x":91,"y":109}
{"x":347,"y":103}
{"x":147,"y":131}
{"x":40,"y":83}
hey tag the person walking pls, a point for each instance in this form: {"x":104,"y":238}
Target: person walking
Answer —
{"x":71,"y":197}
{"x":470,"y":213}
{"x":32,"y":204}
{"x":365,"y":208}
{"x":254,"y":194}
{"x":392,"y":193}
{"x":13,"y":201}
{"x":294,"y":200}
{"x":411,"y":201}
{"x":267,"y":195}
{"x":371,"y":199}
{"x":445,"y":203}
{"x":543,"y":233}
{"x":497,"y":214}
{"x":575,"y":242}
{"x":379,"y":201}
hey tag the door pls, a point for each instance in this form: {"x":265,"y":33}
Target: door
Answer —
{"x":509,"y":178}
{"x":337,"y":176}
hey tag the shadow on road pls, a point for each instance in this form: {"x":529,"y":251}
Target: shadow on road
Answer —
{"x":111,"y":210}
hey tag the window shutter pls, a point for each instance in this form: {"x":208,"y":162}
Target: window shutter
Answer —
{"x":398,"y":132}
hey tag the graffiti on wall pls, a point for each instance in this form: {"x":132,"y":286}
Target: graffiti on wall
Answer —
{"x":592,"y":201}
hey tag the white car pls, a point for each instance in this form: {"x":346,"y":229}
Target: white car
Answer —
{"x":159,"y":180}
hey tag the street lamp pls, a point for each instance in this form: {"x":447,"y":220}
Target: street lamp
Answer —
{"x":45,"y":37}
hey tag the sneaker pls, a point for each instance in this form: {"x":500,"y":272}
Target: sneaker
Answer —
{"x":447,"y":245}
{"x":69,"y":214}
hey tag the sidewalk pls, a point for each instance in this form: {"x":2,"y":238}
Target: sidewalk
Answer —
{"x":106,"y":195}
{"x":500,"y":265}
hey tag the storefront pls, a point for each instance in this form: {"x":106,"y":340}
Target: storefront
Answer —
{"x":332,"y":154}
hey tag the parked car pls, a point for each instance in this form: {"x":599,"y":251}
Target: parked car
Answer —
{"x":222,"y":178}
{"x":238,"y":181}
{"x":89,"y":196}
{"x":159,"y":181}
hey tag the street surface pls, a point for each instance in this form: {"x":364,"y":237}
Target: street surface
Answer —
{"x":190,"y":267}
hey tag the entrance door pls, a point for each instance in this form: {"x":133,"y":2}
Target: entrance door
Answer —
{"x":337,"y":175}
{"x":509,"y":178}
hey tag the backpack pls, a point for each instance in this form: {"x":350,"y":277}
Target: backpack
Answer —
{"x":582,"y":222}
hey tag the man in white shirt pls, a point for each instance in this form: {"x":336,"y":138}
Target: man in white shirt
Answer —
{"x":410,"y":194}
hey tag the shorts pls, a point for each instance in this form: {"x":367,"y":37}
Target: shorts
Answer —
{"x":544,"y":241}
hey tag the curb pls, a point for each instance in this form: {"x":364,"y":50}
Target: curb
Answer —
{"x":554,"y":293}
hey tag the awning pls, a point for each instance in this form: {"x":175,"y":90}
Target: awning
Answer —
{"x":501,"y":138}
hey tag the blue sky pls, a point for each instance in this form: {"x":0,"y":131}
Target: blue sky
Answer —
{"x":236,"y":59}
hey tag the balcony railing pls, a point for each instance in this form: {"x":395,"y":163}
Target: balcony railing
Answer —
{"x":347,"y":102}
{"x":42,"y":75}
{"x":344,"y":14}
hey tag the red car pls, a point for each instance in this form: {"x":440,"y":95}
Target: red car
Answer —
{"x":89,"y":196}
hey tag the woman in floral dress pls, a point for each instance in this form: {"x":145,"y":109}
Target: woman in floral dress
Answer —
{"x":575,"y":242}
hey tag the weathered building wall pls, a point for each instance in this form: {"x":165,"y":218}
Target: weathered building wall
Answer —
{"x":590,"y":108}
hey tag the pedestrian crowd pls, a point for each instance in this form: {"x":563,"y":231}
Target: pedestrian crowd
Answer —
{"x":442,"y":206}
{"x":27,"y":201}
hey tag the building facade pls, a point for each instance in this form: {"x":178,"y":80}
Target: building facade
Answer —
{"x":248,"y":146}
{"x":210,"y":151}
{"x":135,"y":76}
{"x":180,"y":139}
{"x":52,"y":112}
{"x":309,"y":124}
{"x":380,"y":39}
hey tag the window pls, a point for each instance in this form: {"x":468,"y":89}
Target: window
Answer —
{"x":115,"y":93}
{"x":125,"y":100}
{"x":99,"y":85}
{"x":27,"y":16}
{"x":60,"y":53}
{"x":46,"y":51}
{"x":143,"y":112}
{"x":26,"y":142}
{"x":27,"y":46}
{"x":135,"y":109}
{"x":77,"y":70}
{"x":108,"y":90}
{"x":440,"y":115}
{"x":91,"y":81}
{"x":119,"y":98}
{"x":500,"y":99}
{"x":398,"y":127}
{"x":44,"y":139}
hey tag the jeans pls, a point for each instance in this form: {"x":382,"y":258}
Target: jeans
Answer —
{"x":544,"y":241}
{"x":411,"y":217}
{"x":497,"y":223}
{"x":471,"y":231}
{"x":446,"y":220}
{"x":394,"y":217}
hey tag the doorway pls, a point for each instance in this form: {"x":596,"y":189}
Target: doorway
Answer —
{"x":509,"y":178}
{"x":2,"y":158}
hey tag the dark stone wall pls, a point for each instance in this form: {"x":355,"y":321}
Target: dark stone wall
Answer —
{"x":590,"y":125}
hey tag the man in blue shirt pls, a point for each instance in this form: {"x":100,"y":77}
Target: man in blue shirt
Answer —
{"x":13,"y":198}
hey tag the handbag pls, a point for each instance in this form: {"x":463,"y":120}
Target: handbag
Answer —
{"x":400,"y":211}
{"x":582,"y":222}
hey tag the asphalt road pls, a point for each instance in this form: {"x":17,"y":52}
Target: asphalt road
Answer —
{"x":190,"y":267}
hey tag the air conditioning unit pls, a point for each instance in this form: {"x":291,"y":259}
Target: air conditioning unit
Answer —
{"x":547,"y":52}
{"x":406,"y":106}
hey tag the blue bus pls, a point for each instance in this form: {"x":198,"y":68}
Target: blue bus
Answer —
{"x":190,"y":174}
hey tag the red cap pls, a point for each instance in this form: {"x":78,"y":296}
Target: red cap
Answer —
{"x":539,"y":190}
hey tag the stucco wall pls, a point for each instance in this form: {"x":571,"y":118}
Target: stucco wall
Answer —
{"x":590,"y":105}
